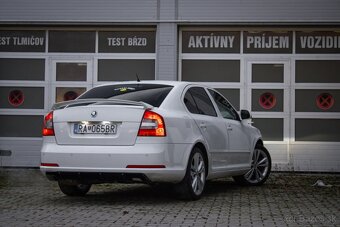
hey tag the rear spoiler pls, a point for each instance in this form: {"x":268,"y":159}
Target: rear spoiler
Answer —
{"x":84,"y":102}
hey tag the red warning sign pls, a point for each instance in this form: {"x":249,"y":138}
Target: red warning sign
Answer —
{"x":267,"y":100}
{"x":16,"y":97}
{"x":70,"y":95}
{"x":325,"y":101}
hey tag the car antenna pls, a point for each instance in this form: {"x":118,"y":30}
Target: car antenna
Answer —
{"x":138,"y":80}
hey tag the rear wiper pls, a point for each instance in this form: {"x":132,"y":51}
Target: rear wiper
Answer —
{"x":83,"y":102}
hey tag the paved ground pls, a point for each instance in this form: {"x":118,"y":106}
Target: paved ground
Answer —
{"x":28,"y":199}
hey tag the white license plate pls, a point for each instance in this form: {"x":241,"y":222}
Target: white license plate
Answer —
{"x":95,"y":128}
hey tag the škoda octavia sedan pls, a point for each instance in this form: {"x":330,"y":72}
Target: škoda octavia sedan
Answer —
{"x":152,"y":132}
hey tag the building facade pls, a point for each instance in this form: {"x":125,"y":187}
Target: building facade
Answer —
{"x":278,"y":59}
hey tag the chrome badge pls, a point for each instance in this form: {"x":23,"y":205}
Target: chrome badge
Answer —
{"x":94,"y":114}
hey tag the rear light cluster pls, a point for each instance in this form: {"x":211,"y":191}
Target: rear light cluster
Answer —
{"x":48,"y":129}
{"x":152,"y":125}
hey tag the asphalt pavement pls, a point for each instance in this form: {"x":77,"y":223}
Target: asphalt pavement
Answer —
{"x":27,"y":198}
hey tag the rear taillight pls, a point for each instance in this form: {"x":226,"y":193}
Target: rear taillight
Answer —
{"x":48,"y":125}
{"x":152,"y":125}
{"x":49,"y":164}
{"x":145,"y":166}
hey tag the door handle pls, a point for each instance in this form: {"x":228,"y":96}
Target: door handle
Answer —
{"x":203,"y":126}
{"x":230,"y":128}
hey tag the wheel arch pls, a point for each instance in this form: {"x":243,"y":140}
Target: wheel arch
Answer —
{"x":256,"y":142}
{"x":259,"y":142}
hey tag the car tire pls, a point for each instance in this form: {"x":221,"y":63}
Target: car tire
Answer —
{"x":260,"y":168}
{"x":193,"y":184}
{"x":72,"y":189}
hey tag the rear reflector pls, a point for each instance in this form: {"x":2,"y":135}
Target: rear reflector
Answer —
{"x":48,"y":132}
{"x":48,"y":129}
{"x":49,"y":164}
{"x":152,"y":125}
{"x":146,"y":166}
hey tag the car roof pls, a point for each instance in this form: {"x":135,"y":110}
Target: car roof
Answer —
{"x":162,"y":82}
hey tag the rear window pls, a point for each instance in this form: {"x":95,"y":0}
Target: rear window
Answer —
{"x":153,"y":94}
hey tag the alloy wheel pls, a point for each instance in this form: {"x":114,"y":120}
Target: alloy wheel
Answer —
{"x":259,"y":167}
{"x":197,"y":173}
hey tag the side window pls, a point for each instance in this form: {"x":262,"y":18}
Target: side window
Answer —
{"x":224,"y":106}
{"x":202,"y":101}
{"x":190,"y":103}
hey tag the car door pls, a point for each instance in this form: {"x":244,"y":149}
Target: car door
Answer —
{"x":211,"y":127}
{"x":239,"y":140}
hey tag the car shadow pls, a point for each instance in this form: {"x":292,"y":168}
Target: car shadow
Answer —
{"x":140,"y":193}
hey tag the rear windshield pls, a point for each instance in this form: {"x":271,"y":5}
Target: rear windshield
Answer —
{"x":153,"y":94}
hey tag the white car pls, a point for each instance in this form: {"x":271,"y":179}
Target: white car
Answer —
{"x":151,"y":132}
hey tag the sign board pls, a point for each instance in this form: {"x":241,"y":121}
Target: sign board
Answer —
{"x":71,"y":41}
{"x":317,"y":42}
{"x":127,"y":42}
{"x":210,"y":42}
{"x":22,"y":41}
{"x":267,"y":42}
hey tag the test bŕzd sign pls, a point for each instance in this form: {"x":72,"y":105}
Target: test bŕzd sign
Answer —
{"x":211,"y":42}
{"x":267,"y":42}
{"x":22,"y":41}
{"x":127,"y":42}
{"x":317,"y":42}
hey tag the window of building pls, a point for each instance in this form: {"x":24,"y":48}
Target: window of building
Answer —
{"x":211,"y":70}
{"x":66,"y":71}
{"x":125,"y":69}
{"x":317,"y":71}
{"x":72,"y":41}
{"x":22,"y":69}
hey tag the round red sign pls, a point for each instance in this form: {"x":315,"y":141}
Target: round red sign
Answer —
{"x":267,"y":100}
{"x":325,"y":101}
{"x":16,"y":97}
{"x":70,"y":95}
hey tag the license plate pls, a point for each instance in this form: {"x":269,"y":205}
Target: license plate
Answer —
{"x":107,"y":128}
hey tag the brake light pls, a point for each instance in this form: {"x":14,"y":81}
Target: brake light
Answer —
{"x":48,"y":129}
{"x":152,"y":125}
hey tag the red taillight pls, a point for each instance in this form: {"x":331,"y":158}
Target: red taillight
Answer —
{"x":49,"y":164}
{"x":48,"y":125}
{"x":152,"y":125}
{"x":145,"y":166}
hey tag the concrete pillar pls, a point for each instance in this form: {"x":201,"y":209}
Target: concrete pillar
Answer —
{"x":166,"y":60}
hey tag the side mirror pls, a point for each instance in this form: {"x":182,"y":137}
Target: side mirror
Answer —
{"x":245,"y":114}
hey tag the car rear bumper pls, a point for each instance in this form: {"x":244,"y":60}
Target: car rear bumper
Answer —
{"x":151,"y":162}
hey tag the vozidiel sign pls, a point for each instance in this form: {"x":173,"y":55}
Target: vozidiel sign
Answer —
{"x":317,"y":42}
{"x":22,"y":41}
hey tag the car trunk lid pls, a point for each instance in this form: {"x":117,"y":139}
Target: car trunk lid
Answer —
{"x":102,"y":122}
